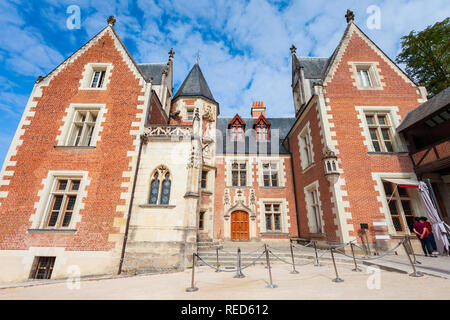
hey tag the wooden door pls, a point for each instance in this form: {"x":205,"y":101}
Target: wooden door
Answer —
{"x":239,"y":226}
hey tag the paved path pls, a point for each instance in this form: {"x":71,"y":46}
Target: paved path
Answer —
{"x":311,"y":283}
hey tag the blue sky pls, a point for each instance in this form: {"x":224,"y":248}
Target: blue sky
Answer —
{"x":243,"y":44}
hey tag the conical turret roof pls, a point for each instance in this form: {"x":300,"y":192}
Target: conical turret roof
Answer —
{"x":195,"y":85}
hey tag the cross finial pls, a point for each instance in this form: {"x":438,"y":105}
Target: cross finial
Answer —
{"x":350,"y":16}
{"x":111,"y":21}
{"x":171,"y":53}
{"x":293,"y":49}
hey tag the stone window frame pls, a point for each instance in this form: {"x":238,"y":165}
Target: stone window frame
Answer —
{"x":374,"y":74}
{"x":228,"y":169}
{"x":88,"y":73}
{"x":203,"y":228}
{"x":314,"y":186}
{"x":68,"y":126}
{"x":43,"y":205}
{"x":163,"y":171}
{"x":305,"y":132}
{"x":285,"y":225}
{"x":281,"y":171}
{"x":416,"y":202}
{"x":391,"y":113}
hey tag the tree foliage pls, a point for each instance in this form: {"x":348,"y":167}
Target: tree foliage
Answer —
{"x":427,"y":56}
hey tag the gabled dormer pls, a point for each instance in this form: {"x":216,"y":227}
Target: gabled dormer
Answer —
{"x":262,"y":128}
{"x":236,"y":128}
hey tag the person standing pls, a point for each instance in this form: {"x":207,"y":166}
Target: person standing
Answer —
{"x":431,"y":234}
{"x":422,"y":233}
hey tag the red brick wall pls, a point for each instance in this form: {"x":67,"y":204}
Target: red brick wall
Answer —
{"x":281,"y":193}
{"x":313,"y":173}
{"x":105,"y":164}
{"x":357,"y":164}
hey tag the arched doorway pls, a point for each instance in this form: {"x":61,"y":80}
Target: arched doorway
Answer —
{"x":240,"y":226}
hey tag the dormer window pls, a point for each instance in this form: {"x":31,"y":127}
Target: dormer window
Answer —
{"x":237,"y":134}
{"x":262,"y":128}
{"x":236,"y":128}
{"x":262,"y":133}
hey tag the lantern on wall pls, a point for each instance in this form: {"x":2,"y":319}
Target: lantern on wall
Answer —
{"x":331,"y":165}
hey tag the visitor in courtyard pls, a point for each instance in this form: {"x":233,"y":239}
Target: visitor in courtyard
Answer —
{"x":422,"y":233}
{"x":431,"y":235}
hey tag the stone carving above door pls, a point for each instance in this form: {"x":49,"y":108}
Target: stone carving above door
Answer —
{"x":239,"y":201}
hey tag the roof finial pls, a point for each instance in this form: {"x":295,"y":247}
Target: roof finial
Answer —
{"x":350,"y":16}
{"x":111,"y":21}
{"x":171,"y":53}
{"x":197,"y":57}
{"x":293,"y":49}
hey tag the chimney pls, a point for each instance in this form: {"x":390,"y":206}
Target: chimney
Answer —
{"x":258,"y":109}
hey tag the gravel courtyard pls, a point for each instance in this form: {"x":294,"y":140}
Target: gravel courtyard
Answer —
{"x":311,"y":283}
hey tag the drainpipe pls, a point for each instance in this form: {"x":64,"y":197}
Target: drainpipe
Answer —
{"x":143,"y":137}
{"x":295,"y":192}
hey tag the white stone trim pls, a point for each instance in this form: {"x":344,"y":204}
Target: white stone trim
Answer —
{"x":67,"y":126}
{"x":281,"y":170}
{"x":26,"y":119}
{"x":314,"y":186}
{"x":344,"y":44}
{"x":88,"y":73}
{"x":384,"y":208}
{"x":394,"y":118}
{"x":240,"y":159}
{"x":284,"y":208}
{"x":42,"y":206}
{"x":374,"y":74}
{"x":341,"y":209}
{"x":18,"y":263}
{"x":306,"y":130}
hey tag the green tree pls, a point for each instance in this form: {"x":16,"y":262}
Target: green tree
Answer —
{"x":427,"y":56}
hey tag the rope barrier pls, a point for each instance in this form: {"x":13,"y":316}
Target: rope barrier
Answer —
{"x":299,"y":265}
{"x":374,"y":258}
{"x":214,"y":267}
{"x":250,"y":252}
{"x":234,"y":269}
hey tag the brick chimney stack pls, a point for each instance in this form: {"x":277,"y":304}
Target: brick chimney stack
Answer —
{"x":258,"y":109}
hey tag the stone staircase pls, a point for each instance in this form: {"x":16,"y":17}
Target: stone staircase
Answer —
{"x":207,"y":250}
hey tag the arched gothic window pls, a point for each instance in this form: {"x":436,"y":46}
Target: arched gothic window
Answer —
{"x":160,"y":187}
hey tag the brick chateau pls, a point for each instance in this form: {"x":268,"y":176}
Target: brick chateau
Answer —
{"x":110,"y":168}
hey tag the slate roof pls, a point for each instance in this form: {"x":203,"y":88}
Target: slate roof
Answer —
{"x":279,"y":128}
{"x":195,"y":85}
{"x":439,"y":101}
{"x":314,"y":68}
{"x":152,"y":70}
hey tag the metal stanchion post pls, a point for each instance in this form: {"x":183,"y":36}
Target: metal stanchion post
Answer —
{"x":192,"y":288}
{"x":354,"y":260}
{"x":414,"y":273}
{"x":217,"y":259}
{"x":412,"y":250}
{"x":293,"y":262}
{"x":363,"y":243}
{"x":270,"y":285}
{"x":317,"y":264}
{"x":367,"y":241}
{"x":335,"y":269}
{"x":239,"y":273}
